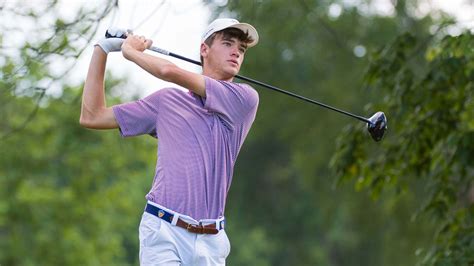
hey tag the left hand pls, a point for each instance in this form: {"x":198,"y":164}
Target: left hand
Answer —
{"x":114,"y":42}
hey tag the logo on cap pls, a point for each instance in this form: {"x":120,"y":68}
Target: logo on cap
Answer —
{"x":161,"y":213}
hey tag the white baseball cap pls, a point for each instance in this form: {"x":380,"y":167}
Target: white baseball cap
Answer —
{"x":224,"y":23}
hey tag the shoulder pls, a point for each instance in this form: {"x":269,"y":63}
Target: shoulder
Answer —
{"x":248,"y":88}
{"x":250,"y":92}
{"x":210,"y":82}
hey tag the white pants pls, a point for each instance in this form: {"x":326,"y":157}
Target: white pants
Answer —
{"x":164,"y":244}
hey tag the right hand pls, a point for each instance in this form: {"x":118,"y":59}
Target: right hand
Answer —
{"x":112,"y":44}
{"x":135,"y":43}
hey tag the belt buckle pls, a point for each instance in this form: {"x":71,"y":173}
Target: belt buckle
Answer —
{"x":197,"y":229}
{"x":189,"y":227}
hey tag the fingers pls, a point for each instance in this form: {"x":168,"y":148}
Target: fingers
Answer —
{"x":148,"y":43}
{"x":141,"y":38}
{"x":139,"y":43}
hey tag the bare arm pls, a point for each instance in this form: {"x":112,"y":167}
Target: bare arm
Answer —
{"x":132,"y":50}
{"x":94,"y":112}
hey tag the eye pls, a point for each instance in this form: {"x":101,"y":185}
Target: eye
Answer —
{"x":227,"y":44}
{"x":242,"y":50}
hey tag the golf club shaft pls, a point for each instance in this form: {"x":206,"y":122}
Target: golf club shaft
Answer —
{"x":165,"y":52}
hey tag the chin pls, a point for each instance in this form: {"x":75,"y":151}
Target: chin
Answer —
{"x":234,"y":71}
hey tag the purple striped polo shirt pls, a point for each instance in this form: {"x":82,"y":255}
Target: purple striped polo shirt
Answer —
{"x":198,"y":142}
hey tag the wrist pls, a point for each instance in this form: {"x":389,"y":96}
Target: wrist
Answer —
{"x":99,"y":50}
{"x":129,"y":52}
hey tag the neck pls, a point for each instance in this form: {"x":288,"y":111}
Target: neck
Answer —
{"x":216,"y":75}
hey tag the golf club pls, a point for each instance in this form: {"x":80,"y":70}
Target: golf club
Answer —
{"x":376,"y":124}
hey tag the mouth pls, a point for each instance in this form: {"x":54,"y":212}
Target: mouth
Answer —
{"x":234,"y":62}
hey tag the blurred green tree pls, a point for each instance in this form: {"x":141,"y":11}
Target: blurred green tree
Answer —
{"x":430,"y":146}
{"x":284,"y":193}
{"x":68,"y":196}
{"x":37,"y":55}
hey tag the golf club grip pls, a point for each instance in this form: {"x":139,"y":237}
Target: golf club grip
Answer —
{"x":165,"y":52}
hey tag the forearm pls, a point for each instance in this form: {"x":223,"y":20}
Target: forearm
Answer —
{"x":166,"y":70}
{"x":94,"y":112}
{"x":156,"y":66}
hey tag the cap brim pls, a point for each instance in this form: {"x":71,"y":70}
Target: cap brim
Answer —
{"x":250,"y":30}
{"x":245,"y":27}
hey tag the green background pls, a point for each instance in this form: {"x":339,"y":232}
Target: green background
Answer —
{"x":310,"y":186}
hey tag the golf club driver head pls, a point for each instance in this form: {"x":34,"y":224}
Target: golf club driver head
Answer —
{"x":377,"y":126}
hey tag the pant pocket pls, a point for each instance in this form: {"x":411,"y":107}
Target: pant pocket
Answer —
{"x":149,"y":230}
{"x":228,"y":243}
{"x":220,"y":244}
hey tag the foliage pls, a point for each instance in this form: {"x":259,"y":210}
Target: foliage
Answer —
{"x":38,"y":54}
{"x":283,"y":192}
{"x":70,"y":196}
{"x":429,"y":103}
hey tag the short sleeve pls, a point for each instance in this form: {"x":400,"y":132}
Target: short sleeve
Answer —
{"x":138,"y":117}
{"x":232,"y":101}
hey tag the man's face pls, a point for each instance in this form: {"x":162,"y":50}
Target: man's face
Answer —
{"x":224,"y":57}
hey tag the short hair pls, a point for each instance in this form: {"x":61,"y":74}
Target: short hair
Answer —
{"x":229,"y":33}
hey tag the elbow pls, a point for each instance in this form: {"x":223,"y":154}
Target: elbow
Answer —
{"x":102,"y":119}
{"x":87,"y":119}
{"x":85,"y":122}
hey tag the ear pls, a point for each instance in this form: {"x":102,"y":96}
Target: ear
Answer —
{"x":204,"y":50}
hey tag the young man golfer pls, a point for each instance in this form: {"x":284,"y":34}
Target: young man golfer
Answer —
{"x":200,"y":133}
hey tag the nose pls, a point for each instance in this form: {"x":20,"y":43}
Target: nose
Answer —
{"x":235,"y":52}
